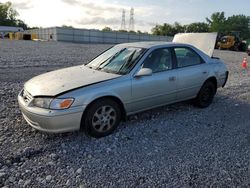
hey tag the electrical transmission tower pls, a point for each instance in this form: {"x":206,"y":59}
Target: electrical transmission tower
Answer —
{"x":123,"y":25}
{"x":132,"y":20}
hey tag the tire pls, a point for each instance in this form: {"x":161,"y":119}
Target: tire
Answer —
{"x":235,"y":48}
{"x":101,"y":118}
{"x":206,"y":95}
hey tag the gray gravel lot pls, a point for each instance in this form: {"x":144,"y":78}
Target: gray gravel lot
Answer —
{"x":172,"y":146}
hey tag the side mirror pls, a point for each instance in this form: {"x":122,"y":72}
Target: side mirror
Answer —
{"x":144,"y":72}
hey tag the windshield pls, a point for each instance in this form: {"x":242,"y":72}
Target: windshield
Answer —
{"x":118,"y":60}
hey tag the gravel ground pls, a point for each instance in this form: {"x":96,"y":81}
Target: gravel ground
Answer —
{"x":172,"y":146}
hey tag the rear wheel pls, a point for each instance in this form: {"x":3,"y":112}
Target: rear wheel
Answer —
{"x":206,"y":95}
{"x":102,"y":118}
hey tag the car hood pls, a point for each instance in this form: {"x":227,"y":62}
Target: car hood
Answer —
{"x":59,"y":81}
{"x":203,"y":41}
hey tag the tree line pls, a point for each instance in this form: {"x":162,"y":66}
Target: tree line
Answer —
{"x":8,"y":16}
{"x":216,"y":23}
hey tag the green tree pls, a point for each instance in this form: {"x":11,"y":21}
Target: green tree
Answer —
{"x":8,"y":16}
{"x":122,"y":31}
{"x":239,"y":23}
{"x":178,"y":28}
{"x":67,"y":26}
{"x":168,"y":29}
{"x":165,"y":29}
{"x":198,"y":27}
{"x":233,"y":24}
{"x":217,"y":22}
{"x":106,"y":29}
{"x":156,"y":30}
{"x":35,"y":27}
{"x":20,"y":23}
{"x":132,"y":32}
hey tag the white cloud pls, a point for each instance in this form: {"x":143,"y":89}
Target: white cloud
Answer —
{"x":100,"y":14}
{"x":88,"y":13}
{"x":23,"y":4}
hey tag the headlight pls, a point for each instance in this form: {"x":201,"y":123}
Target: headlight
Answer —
{"x":42,"y":102}
{"x":60,"y":104}
{"x":54,"y":104}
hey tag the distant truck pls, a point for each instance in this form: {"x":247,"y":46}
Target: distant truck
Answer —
{"x":231,"y":42}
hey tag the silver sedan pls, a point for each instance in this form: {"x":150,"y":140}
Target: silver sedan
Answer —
{"x":124,"y":80}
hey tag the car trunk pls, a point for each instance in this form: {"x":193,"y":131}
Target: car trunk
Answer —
{"x":203,"y":41}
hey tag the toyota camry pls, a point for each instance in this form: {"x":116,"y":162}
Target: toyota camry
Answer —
{"x":124,"y":80}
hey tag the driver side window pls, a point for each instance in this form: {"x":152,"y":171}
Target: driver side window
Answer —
{"x":159,"y":60}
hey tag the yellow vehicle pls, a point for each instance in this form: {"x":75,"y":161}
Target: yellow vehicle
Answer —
{"x":229,"y":43}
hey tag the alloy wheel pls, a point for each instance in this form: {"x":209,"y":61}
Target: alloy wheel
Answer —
{"x":104,"y":119}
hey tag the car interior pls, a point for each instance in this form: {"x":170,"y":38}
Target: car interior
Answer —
{"x":186,"y":57}
{"x":159,"y":60}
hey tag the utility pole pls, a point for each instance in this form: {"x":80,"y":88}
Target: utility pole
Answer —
{"x":132,"y":20}
{"x":123,"y":24}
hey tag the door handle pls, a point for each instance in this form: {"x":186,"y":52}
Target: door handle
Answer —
{"x":204,"y":72}
{"x":172,"y":78}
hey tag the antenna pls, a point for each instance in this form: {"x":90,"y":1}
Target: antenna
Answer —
{"x":123,"y":25}
{"x":132,"y":20}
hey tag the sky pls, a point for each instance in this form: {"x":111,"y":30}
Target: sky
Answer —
{"x":97,"y":14}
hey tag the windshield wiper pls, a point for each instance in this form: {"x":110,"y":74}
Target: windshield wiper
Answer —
{"x":128,"y":62}
{"x":110,"y":60}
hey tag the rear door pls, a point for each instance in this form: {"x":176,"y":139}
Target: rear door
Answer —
{"x":191,"y":72}
{"x":159,"y":88}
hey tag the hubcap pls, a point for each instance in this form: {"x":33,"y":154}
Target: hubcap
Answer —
{"x":104,"y":118}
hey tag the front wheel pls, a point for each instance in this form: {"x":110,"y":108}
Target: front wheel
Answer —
{"x":206,"y":95}
{"x":102,"y":118}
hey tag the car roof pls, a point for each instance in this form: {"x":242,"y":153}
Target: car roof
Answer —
{"x":151,"y":44}
{"x":159,"y":44}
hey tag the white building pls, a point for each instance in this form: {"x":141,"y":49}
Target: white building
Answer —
{"x":92,"y":36}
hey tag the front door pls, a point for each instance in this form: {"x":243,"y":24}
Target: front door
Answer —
{"x":159,"y":88}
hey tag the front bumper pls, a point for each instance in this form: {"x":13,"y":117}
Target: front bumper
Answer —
{"x":52,"y":121}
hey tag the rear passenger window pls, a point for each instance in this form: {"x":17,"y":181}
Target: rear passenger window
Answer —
{"x":187,"y":57}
